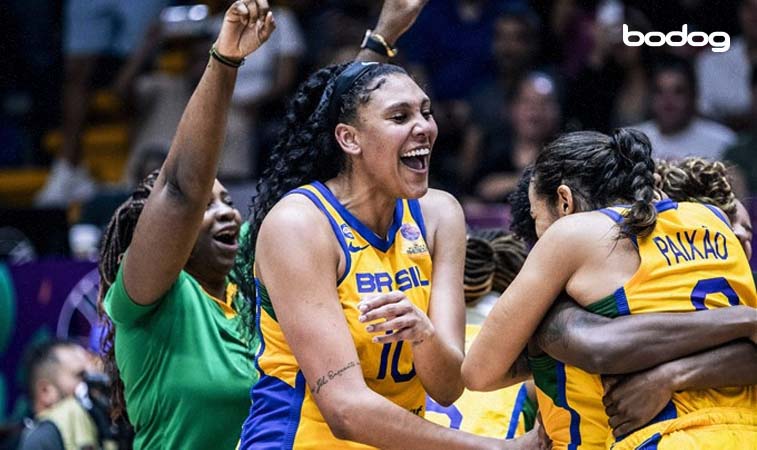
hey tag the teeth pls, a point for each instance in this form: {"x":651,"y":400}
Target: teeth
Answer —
{"x":417,"y":152}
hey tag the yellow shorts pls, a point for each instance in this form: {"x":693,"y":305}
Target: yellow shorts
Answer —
{"x":707,"y":429}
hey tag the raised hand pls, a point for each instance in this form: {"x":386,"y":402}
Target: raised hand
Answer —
{"x":397,"y":16}
{"x":247,"y":24}
{"x":402,"y":318}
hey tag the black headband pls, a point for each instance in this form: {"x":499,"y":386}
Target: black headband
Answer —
{"x":343,"y":83}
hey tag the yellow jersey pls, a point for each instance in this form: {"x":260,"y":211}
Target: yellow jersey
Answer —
{"x":503,"y":414}
{"x":691,"y":261}
{"x":284,"y":414}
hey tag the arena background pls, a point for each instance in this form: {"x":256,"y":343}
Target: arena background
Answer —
{"x":472,"y":56}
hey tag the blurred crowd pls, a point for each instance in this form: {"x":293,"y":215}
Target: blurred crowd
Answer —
{"x":505,"y":77}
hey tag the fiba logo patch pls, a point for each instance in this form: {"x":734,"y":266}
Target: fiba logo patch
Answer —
{"x":412,"y":244}
{"x":410,"y":232}
{"x":347,"y":231}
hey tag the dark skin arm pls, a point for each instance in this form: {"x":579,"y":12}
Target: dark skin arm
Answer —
{"x":592,"y":342}
{"x":396,"y":17}
{"x":632,"y":401}
{"x":168,"y":227}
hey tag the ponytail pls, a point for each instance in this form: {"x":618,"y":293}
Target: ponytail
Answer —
{"x":634,"y":147}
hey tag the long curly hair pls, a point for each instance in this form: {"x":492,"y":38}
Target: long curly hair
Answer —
{"x":601,"y":171}
{"x":696,"y":179}
{"x":306,"y":148}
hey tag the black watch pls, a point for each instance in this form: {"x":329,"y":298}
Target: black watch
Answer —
{"x":375,"y":42}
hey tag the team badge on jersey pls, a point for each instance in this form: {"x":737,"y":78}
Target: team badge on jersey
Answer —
{"x":412,"y":244}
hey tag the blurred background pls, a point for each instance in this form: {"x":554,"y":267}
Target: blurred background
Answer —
{"x":91,"y":92}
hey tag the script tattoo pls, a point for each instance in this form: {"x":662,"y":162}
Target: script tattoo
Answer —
{"x":323,"y":380}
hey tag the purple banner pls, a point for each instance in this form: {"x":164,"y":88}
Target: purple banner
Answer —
{"x":49,"y":298}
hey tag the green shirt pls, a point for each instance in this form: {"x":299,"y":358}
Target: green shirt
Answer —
{"x":186,"y":367}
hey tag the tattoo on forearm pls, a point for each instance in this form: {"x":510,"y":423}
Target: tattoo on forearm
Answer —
{"x":323,"y":380}
{"x":552,"y":330}
{"x":519,"y":369}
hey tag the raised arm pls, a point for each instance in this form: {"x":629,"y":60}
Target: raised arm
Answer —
{"x":632,"y":401}
{"x":626,"y":344}
{"x":300,"y":274}
{"x":168,"y":227}
{"x":396,"y":17}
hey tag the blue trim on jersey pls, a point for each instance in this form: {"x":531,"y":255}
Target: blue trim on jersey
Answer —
{"x":665,"y":205}
{"x":520,"y":400}
{"x":667,"y":413}
{"x":612,"y":214}
{"x":718,"y":213}
{"x":562,"y":399}
{"x":334,"y":226}
{"x":660,"y":207}
{"x":274,"y":414}
{"x":415,"y":211}
{"x":651,"y":443}
{"x":451,"y":411}
{"x":381,"y":244}
{"x":621,"y":302}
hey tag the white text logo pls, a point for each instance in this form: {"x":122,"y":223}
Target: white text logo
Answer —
{"x":720,"y":41}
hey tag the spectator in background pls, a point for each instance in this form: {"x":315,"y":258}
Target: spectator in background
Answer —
{"x":744,"y":153}
{"x":612,"y":90}
{"x":515,"y":48}
{"x":675,"y":130}
{"x":535,"y":120}
{"x":93,"y":29}
{"x":262,"y":81}
{"x":450,"y":46}
{"x":54,"y":370}
{"x":724,"y":77}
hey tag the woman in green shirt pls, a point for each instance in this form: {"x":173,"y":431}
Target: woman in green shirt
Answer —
{"x":176,"y":346}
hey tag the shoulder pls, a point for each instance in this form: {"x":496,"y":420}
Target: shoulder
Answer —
{"x":44,"y":436}
{"x":581,"y":229}
{"x":293,"y":213}
{"x":441,"y":209}
{"x":295,"y":221}
{"x":716,"y":131}
{"x":437,"y":203}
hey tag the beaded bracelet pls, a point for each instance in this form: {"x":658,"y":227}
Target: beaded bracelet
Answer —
{"x":224,"y":60}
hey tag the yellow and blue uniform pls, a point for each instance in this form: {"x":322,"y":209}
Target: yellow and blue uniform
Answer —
{"x":502,"y":414}
{"x":284,"y":414}
{"x":691,"y":261}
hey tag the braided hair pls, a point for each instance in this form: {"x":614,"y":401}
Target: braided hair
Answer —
{"x":115,"y":241}
{"x":492,"y":260}
{"x":601,"y":171}
{"x":306,"y":148}
{"x":696,"y":179}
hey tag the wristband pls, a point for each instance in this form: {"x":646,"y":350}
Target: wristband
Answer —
{"x":224,"y":60}
{"x":377,"y":43}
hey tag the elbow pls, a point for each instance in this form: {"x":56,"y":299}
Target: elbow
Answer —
{"x":447,"y":397}
{"x":476,"y":379}
{"x":343,"y":418}
{"x":340,"y":422}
